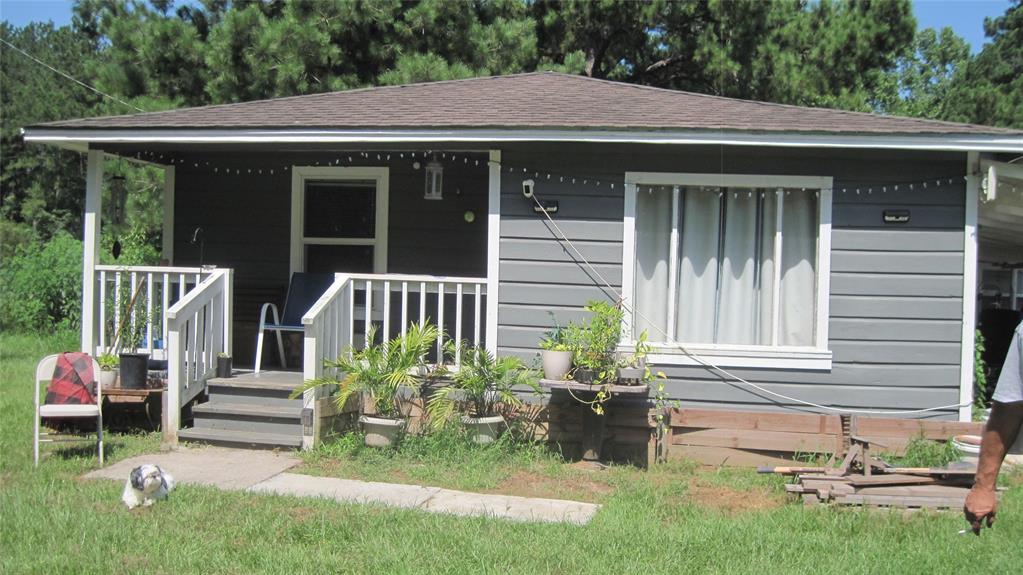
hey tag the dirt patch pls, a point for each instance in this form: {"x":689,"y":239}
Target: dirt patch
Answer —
{"x":733,"y":501}
{"x":301,"y":513}
{"x":531,"y":484}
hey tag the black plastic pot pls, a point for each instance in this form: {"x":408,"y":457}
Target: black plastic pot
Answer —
{"x":584,"y":375}
{"x":224,"y":365}
{"x":134,"y":370}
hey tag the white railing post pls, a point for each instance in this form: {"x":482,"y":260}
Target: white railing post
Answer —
{"x":172,"y":396}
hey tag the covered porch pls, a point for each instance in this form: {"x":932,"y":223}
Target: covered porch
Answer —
{"x":406,"y":234}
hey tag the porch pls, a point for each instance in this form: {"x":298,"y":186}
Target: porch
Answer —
{"x":238,"y":225}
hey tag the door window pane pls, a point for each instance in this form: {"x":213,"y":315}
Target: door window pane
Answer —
{"x":340,"y":209}
{"x":320,"y":258}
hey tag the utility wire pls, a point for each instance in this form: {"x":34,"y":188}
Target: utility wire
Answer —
{"x":69,"y":77}
{"x":708,"y":364}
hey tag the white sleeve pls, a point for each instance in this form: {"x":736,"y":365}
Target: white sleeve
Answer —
{"x":1010,"y":382}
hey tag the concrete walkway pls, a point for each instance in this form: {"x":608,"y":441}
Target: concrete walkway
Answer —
{"x":265,"y":472}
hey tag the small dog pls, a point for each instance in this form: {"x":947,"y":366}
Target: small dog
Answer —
{"x":146,"y":484}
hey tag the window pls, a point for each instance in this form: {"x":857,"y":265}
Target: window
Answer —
{"x":733,"y":266}
{"x":339,"y":219}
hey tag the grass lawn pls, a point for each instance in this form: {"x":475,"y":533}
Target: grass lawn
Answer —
{"x":672,"y":519}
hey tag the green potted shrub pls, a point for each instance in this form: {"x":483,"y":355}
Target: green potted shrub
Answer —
{"x":595,"y":343}
{"x":555,"y":353}
{"x":107,"y":366}
{"x":480,"y":386}
{"x":384,"y":376}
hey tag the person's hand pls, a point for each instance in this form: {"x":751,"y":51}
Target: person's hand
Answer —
{"x":980,"y":504}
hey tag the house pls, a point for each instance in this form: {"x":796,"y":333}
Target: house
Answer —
{"x":811,"y":256}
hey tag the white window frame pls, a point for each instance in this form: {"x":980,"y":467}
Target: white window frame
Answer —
{"x":816,"y":357}
{"x":301,"y":174}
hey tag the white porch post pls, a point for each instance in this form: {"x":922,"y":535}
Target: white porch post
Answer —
{"x":90,"y":247}
{"x":493,"y":248}
{"x":168,"y":215}
{"x":969,"y":286}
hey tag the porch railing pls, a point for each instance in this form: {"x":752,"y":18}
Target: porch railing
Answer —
{"x":356,"y":304}
{"x":152,"y":290}
{"x":198,"y":329}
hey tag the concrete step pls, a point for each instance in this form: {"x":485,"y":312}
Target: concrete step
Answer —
{"x":249,"y":417}
{"x":245,"y":439}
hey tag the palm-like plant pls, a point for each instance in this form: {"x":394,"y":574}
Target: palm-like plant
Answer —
{"x":481,"y":383}
{"x":380,"y":371}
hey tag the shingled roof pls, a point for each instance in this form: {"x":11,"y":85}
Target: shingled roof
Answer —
{"x":540,"y":101}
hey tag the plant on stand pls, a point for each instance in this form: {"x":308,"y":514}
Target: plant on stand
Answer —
{"x":134,"y":323}
{"x":556,"y":353}
{"x":386,"y":377}
{"x":107,"y":366}
{"x":480,"y":387}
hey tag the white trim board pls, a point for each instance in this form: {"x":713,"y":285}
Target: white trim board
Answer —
{"x":817,"y":357}
{"x":493,"y":247}
{"x":969,"y":288}
{"x":80,"y":138}
{"x":299,"y":175}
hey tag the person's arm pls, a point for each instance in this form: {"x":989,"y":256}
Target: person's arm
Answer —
{"x":999,"y":433}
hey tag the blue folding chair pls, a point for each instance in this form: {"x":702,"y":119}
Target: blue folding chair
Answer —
{"x":303,"y":291}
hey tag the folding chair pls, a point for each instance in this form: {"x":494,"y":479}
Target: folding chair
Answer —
{"x":303,"y":291}
{"x":44,"y":372}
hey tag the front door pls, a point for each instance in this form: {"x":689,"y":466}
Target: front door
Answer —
{"x":339,"y":220}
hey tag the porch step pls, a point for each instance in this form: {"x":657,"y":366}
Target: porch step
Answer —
{"x":249,"y":410}
{"x":248,"y":417}
{"x":234,"y":438}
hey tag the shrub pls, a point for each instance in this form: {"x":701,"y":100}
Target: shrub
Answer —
{"x":42,"y":286}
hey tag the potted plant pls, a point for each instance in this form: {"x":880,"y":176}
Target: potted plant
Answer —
{"x":132,"y":331}
{"x":384,"y":376}
{"x":595,"y":342}
{"x":555,"y":353}
{"x":107,"y":364}
{"x":632,"y":369}
{"x":479,"y":387}
{"x":224,"y":364}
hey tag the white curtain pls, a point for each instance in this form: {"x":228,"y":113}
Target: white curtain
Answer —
{"x":726,"y":272}
{"x":698,"y":266}
{"x":653,"y":245}
{"x":737,"y":304}
{"x":798,"y":273}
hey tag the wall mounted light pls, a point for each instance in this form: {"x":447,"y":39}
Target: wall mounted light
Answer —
{"x":434,"y":180}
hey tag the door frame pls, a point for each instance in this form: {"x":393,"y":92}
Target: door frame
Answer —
{"x":301,"y":174}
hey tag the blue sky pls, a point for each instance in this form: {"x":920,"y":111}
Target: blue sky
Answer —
{"x":966,"y":17}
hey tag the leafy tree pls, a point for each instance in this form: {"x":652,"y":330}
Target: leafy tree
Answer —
{"x":920,"y":84}
{"x":990,"y":88}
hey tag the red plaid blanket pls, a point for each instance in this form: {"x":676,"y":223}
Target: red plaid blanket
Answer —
{"x":72,"y":380}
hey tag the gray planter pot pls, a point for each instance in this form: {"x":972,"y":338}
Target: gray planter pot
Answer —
{"x":381,"y":432}
{"x":483,"y":430}
{"x":556,"y":364}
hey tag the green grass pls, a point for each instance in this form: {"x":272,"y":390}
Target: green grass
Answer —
{"x":672,"y":519}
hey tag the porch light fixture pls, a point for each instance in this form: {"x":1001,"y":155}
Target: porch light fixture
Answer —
{"x":434,"y":180}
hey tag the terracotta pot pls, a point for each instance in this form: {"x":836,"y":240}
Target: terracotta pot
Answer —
{"x":483,"y":430}
{"x":556,"y":364}
{"x":381,"y":432}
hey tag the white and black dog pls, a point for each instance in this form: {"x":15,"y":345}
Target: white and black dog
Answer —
{"x":146,"y":484}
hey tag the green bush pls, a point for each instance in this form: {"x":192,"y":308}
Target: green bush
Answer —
{"x":41,"y":286}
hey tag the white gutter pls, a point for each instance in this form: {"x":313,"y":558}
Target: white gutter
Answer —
{"x":81,"y":138}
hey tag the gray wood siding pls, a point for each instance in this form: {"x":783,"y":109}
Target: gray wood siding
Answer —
{"x":896,"y":289}
{"x":246,"y":218}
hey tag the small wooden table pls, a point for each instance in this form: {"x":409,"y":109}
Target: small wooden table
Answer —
{"x":594,"y":423}
{"x":150,"y":399}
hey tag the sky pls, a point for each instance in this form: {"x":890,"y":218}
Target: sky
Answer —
{"x":966,"y":17}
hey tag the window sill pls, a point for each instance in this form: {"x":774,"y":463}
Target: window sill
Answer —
{"x":799,"y":358}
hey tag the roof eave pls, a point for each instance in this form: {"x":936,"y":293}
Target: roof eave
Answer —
{"x":82,"y":138}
